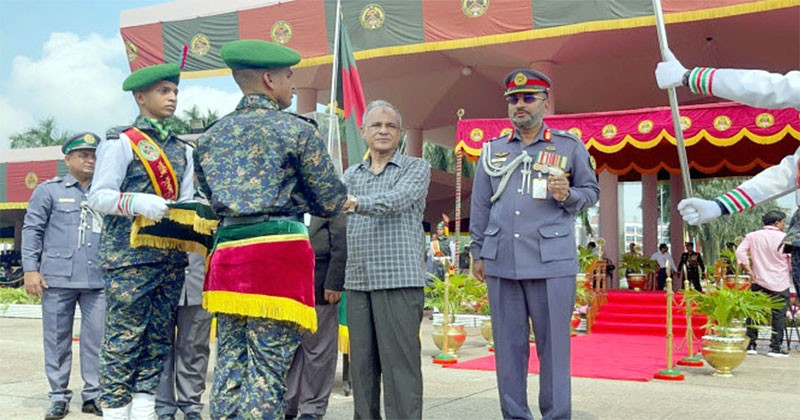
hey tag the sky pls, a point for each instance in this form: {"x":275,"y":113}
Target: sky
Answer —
{"x":65,"y":59}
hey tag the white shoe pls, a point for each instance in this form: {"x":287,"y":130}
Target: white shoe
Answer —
{"x":143,"y":406}
{"x":752,"y":351}
{"x":779,"y":353}
{"x":122,"y":413}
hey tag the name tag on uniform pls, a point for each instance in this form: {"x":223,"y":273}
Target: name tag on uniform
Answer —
{"x":66,"y":200}
{"x":540,"y":188}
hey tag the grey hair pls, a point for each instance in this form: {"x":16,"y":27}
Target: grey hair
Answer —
{"x":380,"y":103}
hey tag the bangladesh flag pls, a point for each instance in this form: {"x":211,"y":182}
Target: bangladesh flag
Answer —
{"x":350,"y":97}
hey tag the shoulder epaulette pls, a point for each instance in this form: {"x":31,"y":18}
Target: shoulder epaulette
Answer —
{"x":565,"y":133}
{"x":503,"y":137}
{"x":309,"y":120}
{"x":53,"y":180}
{"x":113,"y":133}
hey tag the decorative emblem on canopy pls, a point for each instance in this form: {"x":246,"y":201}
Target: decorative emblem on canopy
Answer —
{"x":200,"y":44}
{"x":281,"y":32}
{"x":372,"y":16}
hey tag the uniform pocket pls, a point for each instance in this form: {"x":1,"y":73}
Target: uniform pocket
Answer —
{"x":66,"y":214}
{"x":489,"y":248}
{"x":57,"y":262}
{"x":557,"y":242}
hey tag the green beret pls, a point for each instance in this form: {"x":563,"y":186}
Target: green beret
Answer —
{"x":145,"y":77}
{"x":81,"y":141}
{"x":257,"y":54}
{"x":526,"y":81}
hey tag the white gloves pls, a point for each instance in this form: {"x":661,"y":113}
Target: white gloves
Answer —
{"x":669,"y":73}
{"x":696,"y":211}
{"x":150,"y":206}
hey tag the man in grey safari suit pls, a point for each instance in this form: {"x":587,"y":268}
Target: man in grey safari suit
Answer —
{"x":528,"y":187}
{"x":60,"y":238}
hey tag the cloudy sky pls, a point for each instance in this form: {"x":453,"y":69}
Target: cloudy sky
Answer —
{"x":65,"y":59}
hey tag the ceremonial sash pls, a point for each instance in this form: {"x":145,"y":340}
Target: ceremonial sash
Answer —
{"x":263,"y":270}
{"x":187,"y":227}
{"x":155,"y":162}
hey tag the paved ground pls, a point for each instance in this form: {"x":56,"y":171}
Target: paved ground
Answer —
{"x":764,"y":388}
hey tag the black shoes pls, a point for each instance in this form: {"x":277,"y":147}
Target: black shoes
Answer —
{"x":58,"y":410}
{"x":91,"y":407}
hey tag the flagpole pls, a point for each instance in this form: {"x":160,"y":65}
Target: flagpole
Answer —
{"x":673,"y":104}
{"x":332,"y":103}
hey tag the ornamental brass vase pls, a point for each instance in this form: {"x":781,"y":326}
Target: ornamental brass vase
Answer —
{"x":723,"y":353}
{"x":486,"y":332}
{"x":456,"y":335}
{"x":636,"y":281}
{"x":740,"y":282}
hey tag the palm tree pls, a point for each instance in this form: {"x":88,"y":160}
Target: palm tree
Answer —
{"x":42,"y":135}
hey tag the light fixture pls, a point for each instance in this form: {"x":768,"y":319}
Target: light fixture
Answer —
{"x":466,"y":71}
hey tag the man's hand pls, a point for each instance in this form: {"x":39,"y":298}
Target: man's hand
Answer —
{"x":34,"y":283}
{"x":558,"y":185}
{"x":696,"y":211}
{"x":150,"y":206}
{"x":350,"y":204}
{"x":477,"y":270}
{"x":669,"y":73}
{"x":332,"y":296}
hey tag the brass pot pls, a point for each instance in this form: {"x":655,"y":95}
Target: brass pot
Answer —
{"x":740,"y":282}
{"x":486,"y":332}
{"x":636,"y":281}
{"x":456,"y":335}
{"x":735,"y":332}
{"x":723,"y":353}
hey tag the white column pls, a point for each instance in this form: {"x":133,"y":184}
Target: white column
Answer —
{"x":649,"y":214}
{"x":609,"y":220}
{"x":414,"y":142}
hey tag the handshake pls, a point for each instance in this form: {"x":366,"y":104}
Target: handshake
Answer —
{"x":350,"y":204}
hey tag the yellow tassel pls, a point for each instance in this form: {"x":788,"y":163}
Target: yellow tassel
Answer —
{"x":344,"y":339}
{"x":138,"y":239}
{"x":261,"y":306}
{"x":189,"y":217}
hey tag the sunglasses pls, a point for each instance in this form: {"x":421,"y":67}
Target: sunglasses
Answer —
{"x":528,"y":99}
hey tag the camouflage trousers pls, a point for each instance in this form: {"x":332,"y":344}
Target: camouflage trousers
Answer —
{"x":141,"y":305}
{"x":253,"y":359}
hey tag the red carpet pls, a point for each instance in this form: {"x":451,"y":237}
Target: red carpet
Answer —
{"x":604,"y":356}
{"x":629,"y":312}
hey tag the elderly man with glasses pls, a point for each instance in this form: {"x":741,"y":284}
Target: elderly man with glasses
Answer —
{"x":529,"y":186}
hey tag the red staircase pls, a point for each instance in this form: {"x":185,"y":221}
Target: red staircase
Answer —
{"x":643,"y":313}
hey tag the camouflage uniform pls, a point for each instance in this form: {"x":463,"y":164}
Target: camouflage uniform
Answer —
{"x":143,"y":286}
{"x":259,"y":161}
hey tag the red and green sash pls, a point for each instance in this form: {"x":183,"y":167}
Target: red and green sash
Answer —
{"x":155,"y":162}
{"x":263,"y":270}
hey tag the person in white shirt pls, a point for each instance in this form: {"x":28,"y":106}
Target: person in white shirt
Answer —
{"x":664,"y":259}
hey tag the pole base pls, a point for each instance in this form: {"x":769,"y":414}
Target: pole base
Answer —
{"x":669,"y":375}
{"x":445,"y":359}
{"x":691,"y":361}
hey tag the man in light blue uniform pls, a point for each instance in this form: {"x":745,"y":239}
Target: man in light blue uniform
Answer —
{"x":528,"y":187}
{"x":60,"y":238}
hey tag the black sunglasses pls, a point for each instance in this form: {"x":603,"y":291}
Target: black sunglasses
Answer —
{"x":528,"y":98}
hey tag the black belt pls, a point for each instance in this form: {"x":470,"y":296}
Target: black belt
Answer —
{"x":230,"y":221}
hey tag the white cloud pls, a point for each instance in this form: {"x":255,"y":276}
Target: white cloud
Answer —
{"x":78,"y":81}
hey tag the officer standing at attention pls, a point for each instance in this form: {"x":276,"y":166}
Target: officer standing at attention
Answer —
{"x":529,"y":186}
{"x":262,"y":169}
{"x":60,"y":238}
{"x":140,"y":168}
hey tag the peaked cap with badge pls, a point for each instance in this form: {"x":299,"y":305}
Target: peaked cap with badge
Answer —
{"x":526,"y":81}
{"x":257,"y":54}
{"x":145,"y":77}
{"x":80,"y":141}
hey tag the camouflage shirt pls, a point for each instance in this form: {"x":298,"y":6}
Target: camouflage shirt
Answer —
{"x":115,"y":246}
{"x":260,"y":160}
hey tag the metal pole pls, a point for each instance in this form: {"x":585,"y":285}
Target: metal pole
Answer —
{"x":336,"y":58}
{"x":673,"y":104}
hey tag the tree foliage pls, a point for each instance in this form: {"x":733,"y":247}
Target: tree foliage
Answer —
{"x":182,"y":125}
{"x":715,"y":234}
{"x":444,"y":159}
{"x":42,"y":135}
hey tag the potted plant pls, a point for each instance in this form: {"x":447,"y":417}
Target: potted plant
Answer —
{"x":463,"y":293}
{"x":737,"y":280}
{"x":585,"y":259}
{"x":584,"y":296}
{"x":726,"y":309}
{"x":636,"y":268}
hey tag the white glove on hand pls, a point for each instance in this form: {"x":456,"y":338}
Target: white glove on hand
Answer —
{"x":150,"y":206}
{"x":669,"y":73}
{"x":696,"y":211}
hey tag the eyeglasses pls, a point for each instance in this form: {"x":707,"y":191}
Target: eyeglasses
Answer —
{"x":528,"y":99}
